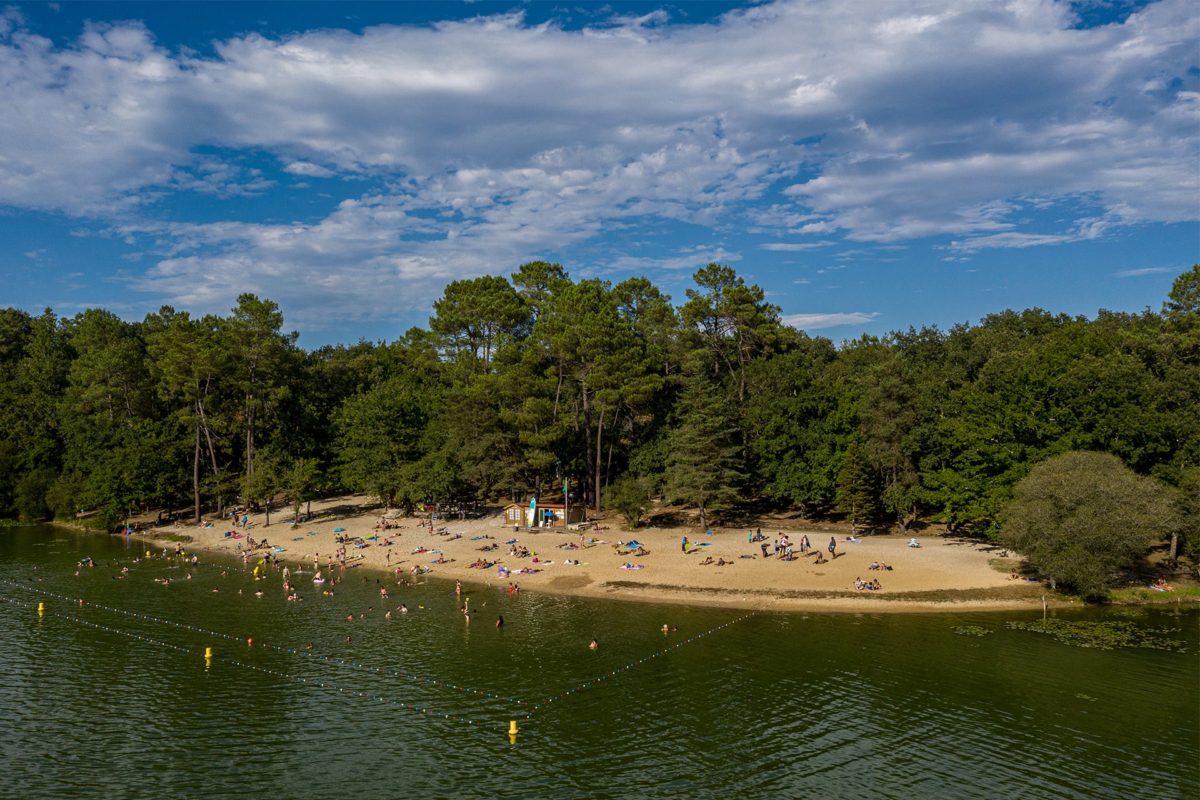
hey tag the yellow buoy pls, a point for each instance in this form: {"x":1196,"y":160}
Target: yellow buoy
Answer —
{"x":207,"y":653}
{"x":512,"y":729}
{"x":41,"y":609}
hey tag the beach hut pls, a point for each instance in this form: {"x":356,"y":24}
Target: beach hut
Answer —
{"x":542,"y":515}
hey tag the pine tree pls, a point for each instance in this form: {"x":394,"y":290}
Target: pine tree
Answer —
{"x":857,"y":486}
{"x":705,"y":465}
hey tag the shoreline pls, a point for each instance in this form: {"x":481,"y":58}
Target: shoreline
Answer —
{"x":952,"y":575}
{"x":944,"y":575}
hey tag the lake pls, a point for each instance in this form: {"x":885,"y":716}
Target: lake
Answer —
{"x":114,"y":699}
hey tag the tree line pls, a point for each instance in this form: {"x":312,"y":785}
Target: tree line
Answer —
{"x":519,"y":386}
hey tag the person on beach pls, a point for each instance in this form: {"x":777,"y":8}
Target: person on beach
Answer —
{"x":683,"y":544}
{"x":763,"y":545}
{"x":832,"y":547}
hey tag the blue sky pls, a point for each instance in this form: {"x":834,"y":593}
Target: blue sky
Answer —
{"x":873,"y":165}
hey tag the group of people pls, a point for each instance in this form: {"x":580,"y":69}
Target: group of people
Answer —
{"x":871,"y":585}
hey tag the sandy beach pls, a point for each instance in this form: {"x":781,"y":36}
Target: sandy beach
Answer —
{"x":943,"y":574}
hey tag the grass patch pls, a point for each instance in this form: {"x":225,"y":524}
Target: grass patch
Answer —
{"x":1027,"y":592}
{"x":1188,"y":594}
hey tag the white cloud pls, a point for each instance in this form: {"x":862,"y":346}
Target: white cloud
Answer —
{"x":1137,"y":273}
{"x":308,"y":169}
{"x":813,"y":322}
{"x":795,"y":247}
{"x":491,"y":140}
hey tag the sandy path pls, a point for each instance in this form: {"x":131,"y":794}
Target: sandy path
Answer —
{"x":939,"y":565}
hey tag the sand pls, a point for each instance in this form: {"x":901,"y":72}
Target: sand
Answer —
{"x":944,"y":574}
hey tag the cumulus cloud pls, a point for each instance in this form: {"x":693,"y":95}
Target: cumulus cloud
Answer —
{"x":308,"y":170}
{"x":491,"y":140}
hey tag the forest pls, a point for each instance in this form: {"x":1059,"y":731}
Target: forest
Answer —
{"x":614,"y":391}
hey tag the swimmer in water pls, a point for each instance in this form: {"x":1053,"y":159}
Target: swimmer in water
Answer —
{"x":500,"y":622}
{"x":593,"y":645}
{"x":403,"y":608}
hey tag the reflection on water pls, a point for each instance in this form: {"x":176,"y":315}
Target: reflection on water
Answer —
{"x":114,"y":698}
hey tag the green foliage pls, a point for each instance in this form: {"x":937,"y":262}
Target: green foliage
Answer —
{"x":1103,"y":635}
{"x":300,"y":480}
{"x":970,"y":630}
{"x":629,"y":496}
{"x":520,"y":384}
{"x":1080,"y":517}
{"x":31,"y":495}
{"x":380,"y":437}
{"x":857,"y":486}
{"x":704,"y":466}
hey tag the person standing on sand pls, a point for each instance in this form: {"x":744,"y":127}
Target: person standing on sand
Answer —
{"x":683,"y":544}
{"x":832,"y":547}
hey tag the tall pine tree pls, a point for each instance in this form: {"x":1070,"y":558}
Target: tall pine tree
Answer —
{"x":705,"y":465}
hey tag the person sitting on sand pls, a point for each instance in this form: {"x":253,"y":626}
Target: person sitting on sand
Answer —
{"x":708,"y":560}
{"x":913,"y":542}
{"x":820,"y":557}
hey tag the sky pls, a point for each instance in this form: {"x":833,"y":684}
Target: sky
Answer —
{"x":872,"y":165}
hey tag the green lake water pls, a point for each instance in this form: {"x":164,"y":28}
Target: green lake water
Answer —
{"x":113,"y":699}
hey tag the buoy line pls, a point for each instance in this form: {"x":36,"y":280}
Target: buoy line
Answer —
{"x":279,"y":648}
{"x":601,"y":678}
{"x":313,"y":682}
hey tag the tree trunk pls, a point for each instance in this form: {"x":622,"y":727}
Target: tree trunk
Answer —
{"x":250,"y":437}
{"x":212,"y":452}
{"x":267,"y":524}
{"x":196,"y":477}
{"x":599,"y":457}
{"x":1173,"y":557}
{"x":703,"y":518}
